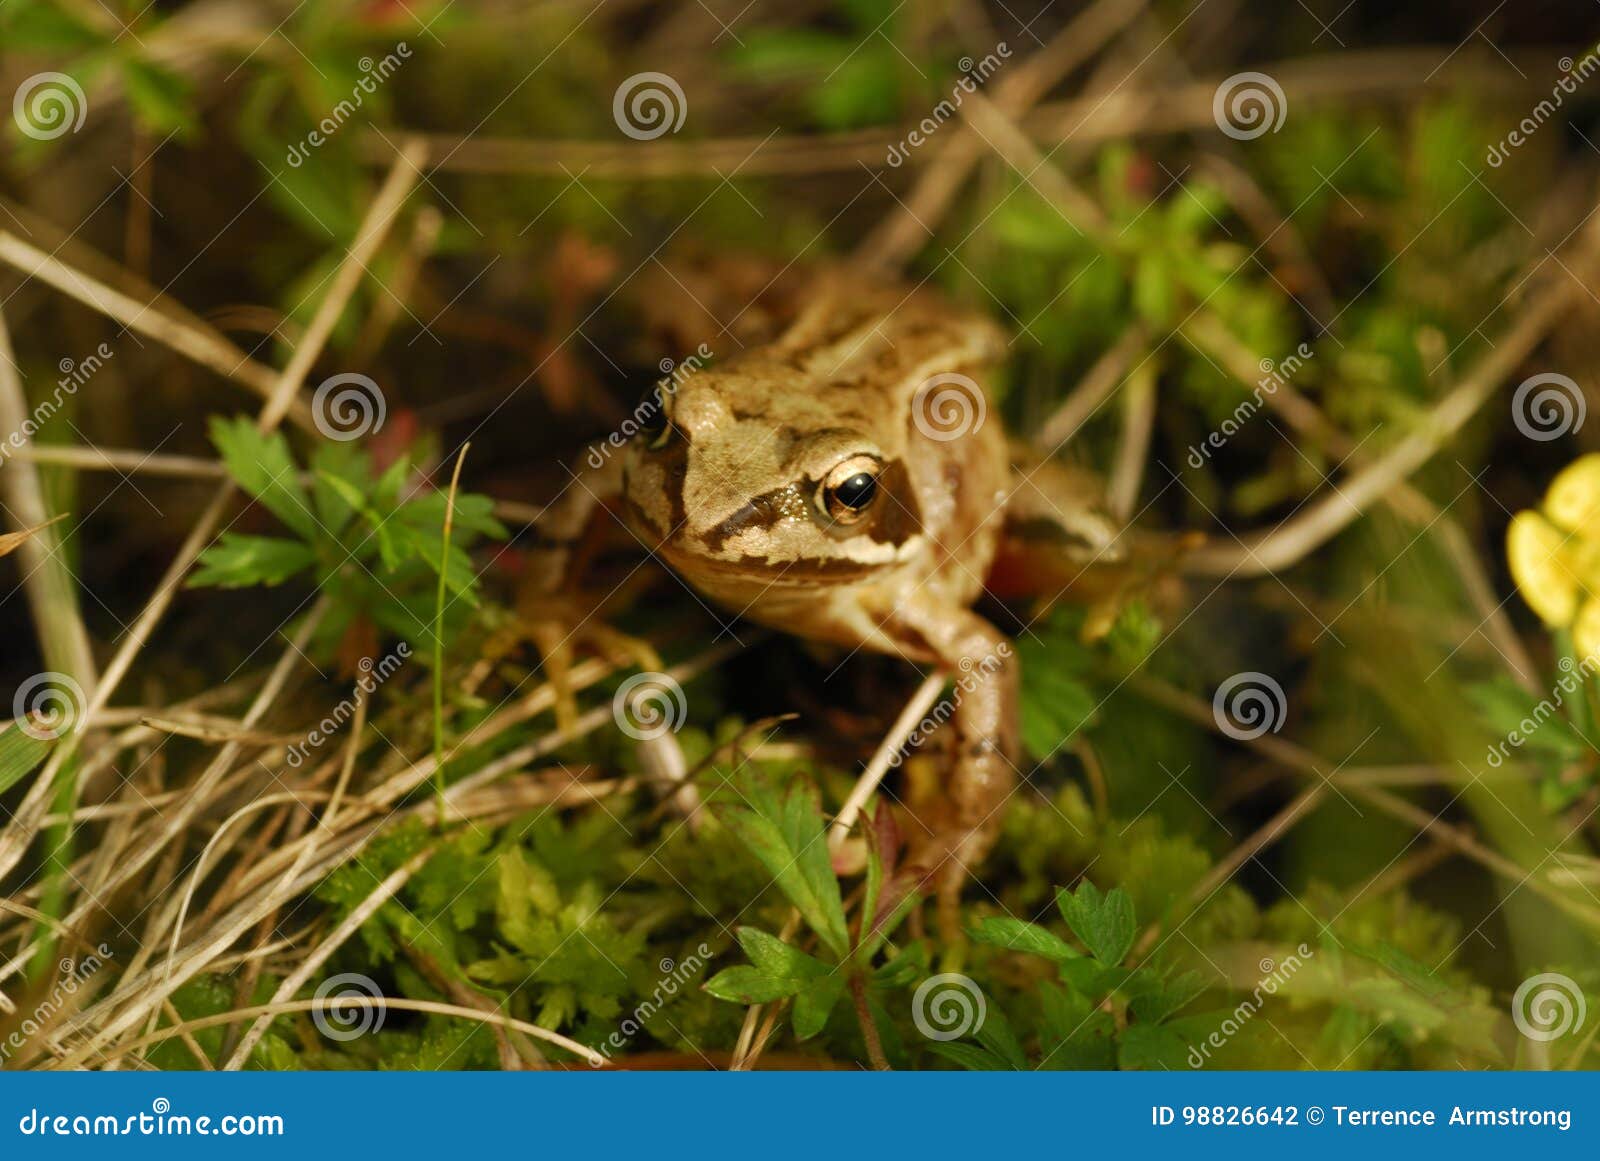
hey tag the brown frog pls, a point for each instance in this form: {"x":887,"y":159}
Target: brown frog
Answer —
{"x":845,"y":483}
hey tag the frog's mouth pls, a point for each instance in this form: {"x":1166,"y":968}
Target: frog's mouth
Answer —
{"x":766,"y":571}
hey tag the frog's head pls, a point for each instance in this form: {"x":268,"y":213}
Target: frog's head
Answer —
{"x":754,"y":472}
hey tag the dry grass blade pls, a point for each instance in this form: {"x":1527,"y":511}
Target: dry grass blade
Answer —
{"x":154,"y":318}
{"x":583,"y":1052}
{"x":380,"y":217}
{"x":1085,"y":121}
{"x":11,"y":541}
{"x":1320,"y":520}
{"x":298,"y":978}
{"x":205,"y":728}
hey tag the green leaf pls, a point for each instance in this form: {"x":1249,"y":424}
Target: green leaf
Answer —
{"x":1153,"y":999}
{"x":1019,"y":935}
{"x":20,"y":752}
{"x":473,"y":513}
{"x":815,"y":1004}
{"x":237,"y":562}
{"x":262,"y":466}
{"x":786,"y":835}
{"x":1091,"y":978}
{"x":1153,"y":291}
{"x":903,"y":969}
{"x":996,"y":1035}
{"x":748,"y":985}
{"x":1074,"y":1033}
{"x":1403,"y":967}
{"x":847,"y":81}
{"x":43,"y":26}
{"x":970,"y":1057}
{"x":773,"y":957}
{"x":1153,"y":1047}
{"x":160,"y":98}
{"x":1057,"y":700}
{"x":1105,"y":923}
{"x":891,"y":891}
{"x":342,"y":472}
{"x":1508,"y":710}
{"x":1196,"y":209}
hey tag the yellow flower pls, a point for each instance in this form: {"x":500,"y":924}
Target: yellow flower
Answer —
{"x":1555,"y":554}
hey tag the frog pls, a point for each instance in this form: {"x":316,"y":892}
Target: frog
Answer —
{"x":843,"y":479}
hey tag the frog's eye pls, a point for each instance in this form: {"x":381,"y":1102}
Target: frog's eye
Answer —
{"x":850,"y":489}
{"x":654,"y":418}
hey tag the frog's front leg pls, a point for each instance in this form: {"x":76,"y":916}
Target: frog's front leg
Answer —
{"x":983,"y":716}
{"x":551,"y":611}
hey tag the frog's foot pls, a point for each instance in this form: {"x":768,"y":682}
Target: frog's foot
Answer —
{"x":964,"y":851}
{"x":950,"y":848}
{"x":947,"y":859}
{"x":559,"y":627}
{"x":983,"y":748}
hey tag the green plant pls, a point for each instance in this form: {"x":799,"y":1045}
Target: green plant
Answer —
{"x":1098,"y":1013}
{"x":370,"y":540}
{"x":785,"y":832}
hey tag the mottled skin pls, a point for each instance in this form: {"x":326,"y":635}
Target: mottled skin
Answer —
{"x":733,"y":490}
{"x":734,"y":498}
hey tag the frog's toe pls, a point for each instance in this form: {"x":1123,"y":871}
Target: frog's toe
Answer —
{"x":559,"y":628}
